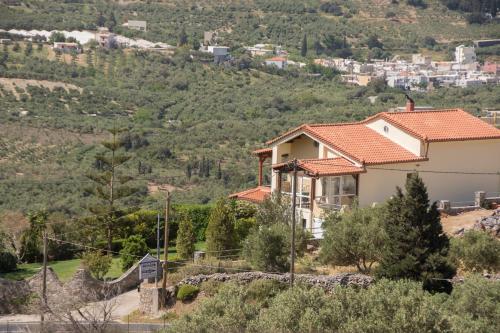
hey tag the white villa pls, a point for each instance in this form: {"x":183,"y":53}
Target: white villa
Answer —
{"x":454,"y":152}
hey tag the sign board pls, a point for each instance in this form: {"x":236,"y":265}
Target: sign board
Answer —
{"x":149,"y":267}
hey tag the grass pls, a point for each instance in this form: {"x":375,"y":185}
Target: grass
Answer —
{"x":65,"y":269}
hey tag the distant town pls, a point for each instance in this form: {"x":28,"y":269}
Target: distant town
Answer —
{"x":421,"y":74}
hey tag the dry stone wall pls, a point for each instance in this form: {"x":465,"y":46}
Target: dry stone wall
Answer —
{"x":327,"y":282}
{"x":21,"y":296}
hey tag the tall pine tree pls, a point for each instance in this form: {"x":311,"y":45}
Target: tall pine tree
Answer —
{"x":220,"y":230}
{"x":417,"y":248}
{"x":185,"y":238}
{"x":110,"y":186}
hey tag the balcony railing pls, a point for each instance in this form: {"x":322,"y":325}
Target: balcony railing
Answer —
{"x":303,"y":199}
{"x":335,"y":202}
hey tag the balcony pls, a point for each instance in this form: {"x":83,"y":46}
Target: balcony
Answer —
{"x":335,"y":202}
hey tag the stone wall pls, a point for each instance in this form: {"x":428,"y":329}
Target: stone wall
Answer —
{"x":327,"y":282}
{"x":20,"y":296}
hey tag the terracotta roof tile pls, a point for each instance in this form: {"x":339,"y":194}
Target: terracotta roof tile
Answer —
{"x":255,"y":195}
{"x":263,"y":151}
{"x":442,"y":125}
{"x":362,"y":144}
{"x":326,"y":167}
{"x":276,"y":59}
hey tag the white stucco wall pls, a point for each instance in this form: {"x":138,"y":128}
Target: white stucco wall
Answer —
{"x":397,"y":135}
{"x":464,"y":156}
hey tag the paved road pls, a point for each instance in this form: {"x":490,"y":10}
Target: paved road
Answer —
{"x":67,"y":328}
{"x":124,"y":304}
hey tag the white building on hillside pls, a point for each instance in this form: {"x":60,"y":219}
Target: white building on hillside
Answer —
{"x":465,"y":54}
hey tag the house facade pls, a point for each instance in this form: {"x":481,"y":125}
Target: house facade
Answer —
{"x":454,"y":152}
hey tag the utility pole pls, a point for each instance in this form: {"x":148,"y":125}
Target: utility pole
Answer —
{"x":294,"y":203}
{"x":157,"y":248}
{"x":44,"y":281}
{"x":165,"y":246}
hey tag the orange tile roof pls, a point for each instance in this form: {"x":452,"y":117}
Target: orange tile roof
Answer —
{"x":442,"y":125}
{"x":326,"y":167}
{"x":263,"y":151}
{"x":255,"y":195}
{"x":276,"y":59}
{"x":360,"y":143}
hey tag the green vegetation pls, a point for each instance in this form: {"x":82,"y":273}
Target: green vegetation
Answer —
{"x":356,"y":238}
{"x":8,"y":261}
{"x":220,"y":230}
{"x":187,"y":292}
{"x":476,"y":251}
{"x":185,"y":238}
{"x":134,"y":248}
{"x":64,"y":269}
{"x":416,"y":246}
{"x":387,"y":306}
{"x":267,"y":246}
{"x":96,"y":263}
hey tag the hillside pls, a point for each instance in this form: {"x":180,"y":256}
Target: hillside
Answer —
{"x":183,"y":112}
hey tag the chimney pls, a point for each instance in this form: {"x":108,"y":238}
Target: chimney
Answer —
{"x":410,"y":104}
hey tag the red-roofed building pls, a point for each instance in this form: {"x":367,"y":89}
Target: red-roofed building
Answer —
{"x":454,"y":152}
{"x":279,"y":62}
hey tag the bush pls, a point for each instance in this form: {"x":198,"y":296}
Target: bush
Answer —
{"x":8,"y":262}
{"x":268,"y":247}
{"x":134,"y":247}
{"x":220,"y":229}
{"x":476,"y":251}
{"x":262,"y":290}
{"x":355,"y":238}
{"x":243,"y":227}
{"x":187,"y":292}
{"x":96,"y":263}
{"x":210,"y":287}
{"x":185,"y":238}
{"x":387,"y":306}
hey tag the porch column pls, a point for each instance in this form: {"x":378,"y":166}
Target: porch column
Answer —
{"x":279,"y":182}
{"x":261,"y":165}
{"x":312,"y":195}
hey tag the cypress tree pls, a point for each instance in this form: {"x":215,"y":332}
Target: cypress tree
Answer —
{"x":303,"y":49}
{"x":417,"y":248}
{"x":220,"y":229}
{"x":183,"y":38}
{"x":185,"y":238}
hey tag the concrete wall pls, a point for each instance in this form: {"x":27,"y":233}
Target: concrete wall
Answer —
{"x":464,"y":156}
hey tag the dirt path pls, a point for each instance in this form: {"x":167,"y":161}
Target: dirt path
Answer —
{"x":451,"y":224}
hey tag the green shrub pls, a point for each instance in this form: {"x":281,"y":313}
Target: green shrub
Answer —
{"x":268,"y":247}
{"x":220,"y":229}
{"x":210,"y":287}
{"x":134,"y":247}
{"x":187,"y":292}
{"x":386,"y":306}
{"x":243,"y":227}
{"x":185,"y":238}
{"x":97,"y":263}
{"x":8,"y":262}
{"x":262,"y":290}
{"x":354,"y":238}
{"x":476,"y":251}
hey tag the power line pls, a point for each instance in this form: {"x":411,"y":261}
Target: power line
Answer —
{"x":494,"y":173}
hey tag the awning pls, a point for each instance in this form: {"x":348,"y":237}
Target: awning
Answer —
{"x":322,"y":167}
{"x":255,"y":195}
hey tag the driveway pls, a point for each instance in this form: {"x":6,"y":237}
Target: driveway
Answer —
{"x":122,"y":305}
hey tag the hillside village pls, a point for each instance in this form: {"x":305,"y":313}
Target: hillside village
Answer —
{"x":249,"y":166}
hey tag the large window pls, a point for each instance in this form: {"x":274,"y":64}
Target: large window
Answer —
{"x":338,"y":191}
